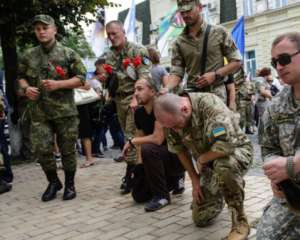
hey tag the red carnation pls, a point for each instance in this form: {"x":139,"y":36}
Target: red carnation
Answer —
{"x":137,"y":61}
{"x":59,"y":70}
{"x":126,"y":62}
{"x":108,"y":68}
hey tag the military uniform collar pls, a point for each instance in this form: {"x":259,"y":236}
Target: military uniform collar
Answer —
{"x":201,"y":30}
{"x":49,"y":49}
{"x":194,"y":120}
{"x":126,"y":45}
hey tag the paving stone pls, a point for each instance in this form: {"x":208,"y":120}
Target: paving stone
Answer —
{"x":101,"y":212}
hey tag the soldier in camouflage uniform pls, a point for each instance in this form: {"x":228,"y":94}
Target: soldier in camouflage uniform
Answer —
{"x":201,"y":124}
{"x":279,"y":135}
{"x":245,"y":93}
{"x":129,"y":62}
{"x":187,"y":53}
{"x":264,"y":90}
{"x":47,"y":75}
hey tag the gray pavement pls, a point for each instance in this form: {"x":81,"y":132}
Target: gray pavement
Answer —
{"x":100,"y":212}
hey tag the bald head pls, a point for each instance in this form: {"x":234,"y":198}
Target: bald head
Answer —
{"x":168,"y":103}
{"x":172,"y":111}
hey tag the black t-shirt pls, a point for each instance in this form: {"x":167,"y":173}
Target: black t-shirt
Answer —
{"x":144,"y":121}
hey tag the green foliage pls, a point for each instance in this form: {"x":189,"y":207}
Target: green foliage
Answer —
{"x":66,"y":13}
{"x":77,"y":42}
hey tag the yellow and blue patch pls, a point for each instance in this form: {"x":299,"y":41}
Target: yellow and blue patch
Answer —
{"x":217,"y":132}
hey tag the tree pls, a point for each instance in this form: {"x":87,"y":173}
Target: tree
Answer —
{"x":77,"y":41}
{"x":16,"y":30}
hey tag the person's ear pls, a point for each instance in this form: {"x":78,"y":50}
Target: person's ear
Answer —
{"x":184,"y":109}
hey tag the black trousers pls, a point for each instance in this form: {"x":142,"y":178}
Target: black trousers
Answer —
{"x":157,"y":175}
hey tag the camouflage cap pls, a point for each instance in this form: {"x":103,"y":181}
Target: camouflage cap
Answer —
{"x":46,"y":19}
{"x":186,"y":5}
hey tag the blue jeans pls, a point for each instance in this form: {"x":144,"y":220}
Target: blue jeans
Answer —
{"x":116,"y":131}
{"x":98,"y":138}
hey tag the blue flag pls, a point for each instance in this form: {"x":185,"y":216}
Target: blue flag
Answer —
{"x":238,"y":35}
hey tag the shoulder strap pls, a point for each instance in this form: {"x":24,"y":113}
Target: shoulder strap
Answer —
{"x":204,"y":51}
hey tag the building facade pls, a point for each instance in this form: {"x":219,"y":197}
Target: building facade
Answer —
{"x":264,"y":20}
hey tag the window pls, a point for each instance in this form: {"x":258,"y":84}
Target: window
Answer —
{"x":280,"y":3}
{"x":248,"y":8}
{"x":251,"y":63}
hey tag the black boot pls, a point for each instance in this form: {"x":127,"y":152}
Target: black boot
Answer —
{"x":53,"y":187}
{"x":4,"y":186}
{"x":69,"y":192}
{"x":127,"y":180}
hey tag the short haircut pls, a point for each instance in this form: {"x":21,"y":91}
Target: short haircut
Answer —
{"x":115,"y":22}
{"x":294,"y":37}
{"x":168,"y":103}
{"x":100,"y":61}
{"x":153,"y":55}
{"x":264,"y":72}
{"x":150,"y":83}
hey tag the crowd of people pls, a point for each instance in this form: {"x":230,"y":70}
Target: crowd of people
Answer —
{"x":165,"y":126}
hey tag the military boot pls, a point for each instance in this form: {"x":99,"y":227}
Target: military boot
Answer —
{"x":53,"y":187}
{"x":127,"y":180}
{"x":69,"y":192}
{"x":240,"y":227}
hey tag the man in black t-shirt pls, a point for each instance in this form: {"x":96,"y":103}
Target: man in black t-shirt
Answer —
{"x":159,"y":171}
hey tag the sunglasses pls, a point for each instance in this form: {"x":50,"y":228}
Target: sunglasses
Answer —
{"x":283,"y":59}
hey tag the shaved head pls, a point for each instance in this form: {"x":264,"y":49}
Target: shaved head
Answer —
{"x":168,"y":103}
{"x":172,"y":111}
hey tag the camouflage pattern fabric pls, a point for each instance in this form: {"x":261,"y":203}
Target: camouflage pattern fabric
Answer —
{"x":187,"y":52}
{"x":38,"y":64}
{"x":278,"y":223}
{"x":278,"y":132}
{"x":53,"y":112}
{"x":124,"y":74}
{"x":42,"y":142}
{"x":245,"y":91}
{"x":126,"y":80}
{"x":186,"y":5}
{"x":262,"y":102}
{"x":213,"y":127}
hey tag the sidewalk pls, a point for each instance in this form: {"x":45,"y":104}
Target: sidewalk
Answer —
{"x":100,"y":212}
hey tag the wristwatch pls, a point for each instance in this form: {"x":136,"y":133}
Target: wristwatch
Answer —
{"x":290,"y":167}
{"x":218,"y":77}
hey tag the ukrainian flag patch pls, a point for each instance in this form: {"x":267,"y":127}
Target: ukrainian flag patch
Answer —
{"x":217,"y":132}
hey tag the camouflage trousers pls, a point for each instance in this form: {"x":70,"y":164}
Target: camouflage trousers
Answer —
{"x":278,"y":222}
{"x":42,"y":141}
{"x":224,"y":179}
{"x":126,"y":119}
{"x":245,"y":111}
{"x":261,"y":106}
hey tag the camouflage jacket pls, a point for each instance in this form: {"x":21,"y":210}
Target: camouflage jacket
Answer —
{"x":187,"y":52}
{"x":245,"y":91}
{"x":127,"y":76}
{"x":212,"y":127}
{"x":279,"y":129}
{"x":262,"y":83}
{"x":56,"y":63}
